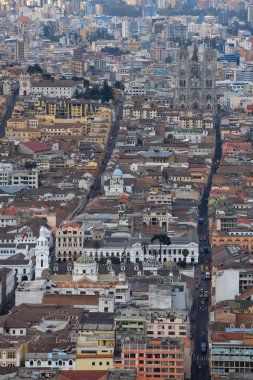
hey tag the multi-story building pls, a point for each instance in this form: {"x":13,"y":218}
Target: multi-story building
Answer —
{"x":7,"y":287}
{"x":132,"y":250}
{"x":176,"y":31}
{"x":6,"y":170}
{"x":238,"y":236}
{"x":66,"y":108}
{"x":95,"y":352}
{"x":11,"y":353}
{"x":59,"y":359}
{"x":18,"y":177}
{"x":131,"y":323}
{"x":49,"y":88}
{"x":231,"y":352}
{"x":28,"y":178}
{"x":230,"y":282}
{"x":172,"y":326}
{"x":154,"y":358}
{"x":69,"y":242}
{"x":19,"y":51}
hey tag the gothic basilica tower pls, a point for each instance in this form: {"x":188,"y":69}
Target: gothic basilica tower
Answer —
{"x":195,"y":81}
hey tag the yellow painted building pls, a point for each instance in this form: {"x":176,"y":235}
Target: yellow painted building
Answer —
{"x":12,"y":354}
{"x":84,"y":120}
{"x":95,"y":352}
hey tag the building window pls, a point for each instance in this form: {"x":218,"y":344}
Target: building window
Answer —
{"x":11,"y":354}
{"x":100,"y":363}
{"x":93,"y":363}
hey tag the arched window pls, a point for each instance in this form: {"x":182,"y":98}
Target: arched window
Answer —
{"x":31,"y":363}
{"x":38,"y":363}
{"x":49,"y":362}
{"x":70,"y":362}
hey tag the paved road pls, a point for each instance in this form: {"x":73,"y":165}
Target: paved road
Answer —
{"x":200,"y":369}
{"x":10,"y":105}
{"x":96,"y":187}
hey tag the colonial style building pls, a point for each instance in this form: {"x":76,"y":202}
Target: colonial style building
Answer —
{"x":48,"y":88}
{"x":114,"y":185}
{"x":124,"y":247}
{"x":69,"y":242}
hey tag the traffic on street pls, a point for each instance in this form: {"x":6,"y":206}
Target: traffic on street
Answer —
{"x":200,"y":363}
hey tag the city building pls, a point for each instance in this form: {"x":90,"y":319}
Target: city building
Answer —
{"x":69,"y":241}
{"x":154,"y":357}
{"x":230,"y":352}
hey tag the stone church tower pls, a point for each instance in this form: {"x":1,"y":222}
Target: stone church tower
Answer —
{"x":24,"y":85}
{"x":195,"y":80}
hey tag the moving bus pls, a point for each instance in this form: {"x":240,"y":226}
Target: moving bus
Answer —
{"x":203,"y":347}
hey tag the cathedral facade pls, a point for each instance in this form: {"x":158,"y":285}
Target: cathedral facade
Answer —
{"x":195,"y":80}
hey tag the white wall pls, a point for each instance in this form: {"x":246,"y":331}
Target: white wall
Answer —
{"x":227,"y":285}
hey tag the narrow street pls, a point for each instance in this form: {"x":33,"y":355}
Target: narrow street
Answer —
{"x":10,"y":105}
{"x":96,"y":187}
{"x":200,"y":365}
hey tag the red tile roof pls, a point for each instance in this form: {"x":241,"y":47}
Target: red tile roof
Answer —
{"x":83,"y":375}
{"x":243,"y":221}
{"x":70,"y":299}
{"x":36,"y":146}
{"x":224,"y":336}
{"x":25,"y":20}
{"x":71,"y":224}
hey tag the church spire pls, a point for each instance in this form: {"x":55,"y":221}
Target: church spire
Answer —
{"x":195,"y":53}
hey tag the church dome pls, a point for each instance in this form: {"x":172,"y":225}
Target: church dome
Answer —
{"x":117,"y":172}
{"x":85,"y":260}
{"x":42,"y":240}
{"x":170,"y":265}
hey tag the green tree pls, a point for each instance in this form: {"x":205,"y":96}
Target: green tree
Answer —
{"x":115,"y":260}
{"x":102,"y":260}
{"x":30,"y":165}
{"x":169,"y":59}
{"x":144,"y":246}
{"x":107,"y":92}
{"x":112,"y":51}
{"x":86,"y":82}
{"x":165,"y":174}
{"x":96,"y":246}
{"x":163,"y":240}
{"x":119,"y":85}
{"x":155,"y":253}
{"x":75,"y":78}
{"x":181,"y":264}
{"x":34,"y":69}
{"x":47,"y":76}
{"x":185,"y":253}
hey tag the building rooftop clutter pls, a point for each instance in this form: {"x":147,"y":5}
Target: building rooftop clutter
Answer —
{"x":106,"y":189}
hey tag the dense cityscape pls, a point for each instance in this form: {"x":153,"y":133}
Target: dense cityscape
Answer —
{"x":126,"y":189}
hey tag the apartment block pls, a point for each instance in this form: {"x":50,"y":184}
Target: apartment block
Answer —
{"x":154,"y":358}
{"x":95,"y":352}
{"x":231,"y":352}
